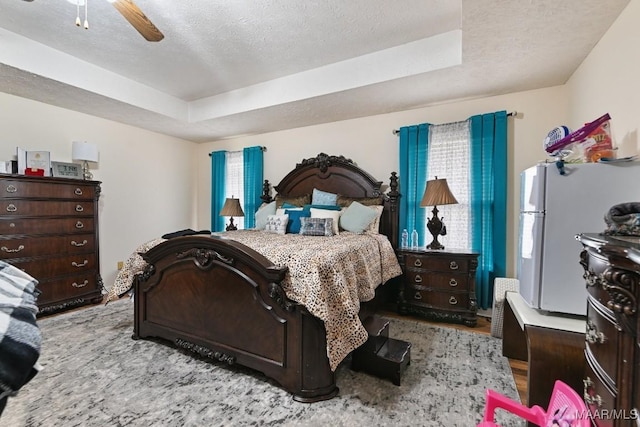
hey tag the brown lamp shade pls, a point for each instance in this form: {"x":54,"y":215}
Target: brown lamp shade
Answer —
{"x":437,"y":193}
{"x":231,"y":208}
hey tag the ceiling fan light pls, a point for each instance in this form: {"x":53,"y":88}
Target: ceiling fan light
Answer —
{"x":77,"y":2}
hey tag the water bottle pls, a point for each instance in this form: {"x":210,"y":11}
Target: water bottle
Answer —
{"x":414,"y":239}
{"x":404,"y":243}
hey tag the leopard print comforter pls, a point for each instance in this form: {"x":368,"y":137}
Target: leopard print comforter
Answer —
{"x":330,"y":276}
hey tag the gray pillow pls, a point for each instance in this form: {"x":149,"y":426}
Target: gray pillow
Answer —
{"x":357,"y":217}
{"x":263,"y":214}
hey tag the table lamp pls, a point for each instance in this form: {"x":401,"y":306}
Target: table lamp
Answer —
{"x":85,"y":152}
{"x":231,"y":208}
{"x":437,"y":193}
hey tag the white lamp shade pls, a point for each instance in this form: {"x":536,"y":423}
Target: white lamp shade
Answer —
{"x":84,"y":151}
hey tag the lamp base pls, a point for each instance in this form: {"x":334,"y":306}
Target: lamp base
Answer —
{"x":85,"y":171}
{"x":435,"y":227}
{"x":231,"y":226}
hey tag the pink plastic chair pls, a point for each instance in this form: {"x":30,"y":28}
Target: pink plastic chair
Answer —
{"x":566,"y":409}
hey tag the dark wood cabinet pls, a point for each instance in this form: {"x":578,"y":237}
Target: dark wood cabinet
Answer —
{"x":49,"y":229}
{"x":438,"y":285}
{"x":612,"y":346}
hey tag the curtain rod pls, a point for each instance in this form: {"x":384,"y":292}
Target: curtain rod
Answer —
{"x":263,"y":148}
{"x":511,"y":113}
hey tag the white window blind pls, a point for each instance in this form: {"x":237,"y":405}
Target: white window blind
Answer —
{"x":235,"y":181}
{"x":449,"y":158}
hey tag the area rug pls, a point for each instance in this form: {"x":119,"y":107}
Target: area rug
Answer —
{"x":95,"y":374}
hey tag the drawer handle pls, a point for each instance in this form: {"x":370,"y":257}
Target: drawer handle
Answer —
{"x":80,"y":285}
{"x":79,"y":208}
{"x":18,"y":249}
{"x":85,"y":262}
{"x":11,"y":188}
{"x":592,"y":335}
{"x":11,"y":208}
{"x":74,"y":243}
{"x":79,"y":224}
{"x":417,"y":296}
{"x":417,"y":263}
{"x":418,"y":279}
{"x":78,"y":191}
{"x":453,"y":282}
{"x":453,"y":265}
{"x":453,"y":301}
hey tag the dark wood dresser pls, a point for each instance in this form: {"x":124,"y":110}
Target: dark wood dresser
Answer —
{"x":49,"y":229}
{"x":612,"y":351}
{"x":438,"y":285}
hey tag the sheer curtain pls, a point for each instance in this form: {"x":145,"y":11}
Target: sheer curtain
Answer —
{"x":449,"y":158}
{"x":234,"y":185}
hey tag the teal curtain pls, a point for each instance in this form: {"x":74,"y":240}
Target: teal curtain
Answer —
{"x":414,"y":155}
{"x":488,"y":199}
{"x":253,"y":169}
{"x":218,"y":173}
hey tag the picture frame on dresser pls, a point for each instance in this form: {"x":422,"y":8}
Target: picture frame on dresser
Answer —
{"x":66,"y":170}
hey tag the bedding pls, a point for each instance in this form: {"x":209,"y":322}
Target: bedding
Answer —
{"x":330,"y":276}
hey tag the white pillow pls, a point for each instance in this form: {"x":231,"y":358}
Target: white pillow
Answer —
{"x":325,"y":213}
{"x":374,"y":227}
{"x":277,"y":224}
{"x":263,"y":213}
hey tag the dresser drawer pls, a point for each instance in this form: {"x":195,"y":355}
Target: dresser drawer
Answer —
{"x":49,"y":267}
{"x":436,"y":299}
{"x":437,"y":263}
{"x":602,"y":338}
{"x":600,"y":399}
{"x":45,"y":208}
{"x":40,"y":246}
{"x":439,"y":281}
{"x":69,"y":287}
{"x":35,"y":226}
{"x":16,"y":188}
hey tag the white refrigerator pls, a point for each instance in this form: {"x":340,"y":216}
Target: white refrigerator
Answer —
{"x":553,"y":209}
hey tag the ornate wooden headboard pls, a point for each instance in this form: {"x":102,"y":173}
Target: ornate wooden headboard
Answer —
{"x":337,"y":174}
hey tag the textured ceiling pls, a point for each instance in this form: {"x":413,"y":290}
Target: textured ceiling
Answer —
{"x":229,"y":68}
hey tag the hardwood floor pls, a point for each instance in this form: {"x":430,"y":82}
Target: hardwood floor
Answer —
{"x":518,"y":367}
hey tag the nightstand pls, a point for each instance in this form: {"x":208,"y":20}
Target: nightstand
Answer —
{"x":438,"y":285}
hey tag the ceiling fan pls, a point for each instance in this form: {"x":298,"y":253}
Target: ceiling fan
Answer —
{"x":136,"y":18}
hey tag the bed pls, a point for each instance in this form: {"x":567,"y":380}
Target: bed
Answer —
{"x":230,"y":298}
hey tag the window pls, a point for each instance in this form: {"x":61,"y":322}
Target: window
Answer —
{"x":449,"y":158}
{"x":234,"y":182}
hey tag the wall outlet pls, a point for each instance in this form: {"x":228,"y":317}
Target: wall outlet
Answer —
{"x":120,"y":265}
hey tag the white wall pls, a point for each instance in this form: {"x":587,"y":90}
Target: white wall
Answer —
{"x":608,"y":81}
{"x":147,"y":178}
{"x":369,"y":141}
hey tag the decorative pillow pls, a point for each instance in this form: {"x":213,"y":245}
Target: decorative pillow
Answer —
{"x":282,"y":211}
{"x":356,"y":218}
{"x":277,"y":224}
{"x":263,"y":213}
{"x":319,"y":197}
{"x":326,"y":207}
{"x":374,"y":227}
{"x":324,"y":213}
{"x":345,"y":201}
{"x":316,"y":226}
{"x":305,"y":199}
{"x":293,"y":226}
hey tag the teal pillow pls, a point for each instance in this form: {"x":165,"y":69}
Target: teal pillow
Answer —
{"x":357,"y":217}
{"x":293,"y":226}
{"x":323,"y":198}
{"x":307,"y":208}
{"x":263,"y":213}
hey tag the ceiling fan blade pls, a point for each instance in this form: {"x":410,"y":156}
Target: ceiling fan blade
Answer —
{"x":139,"y":20}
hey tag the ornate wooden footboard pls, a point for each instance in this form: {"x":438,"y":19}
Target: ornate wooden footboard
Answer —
{"x":223,"y":300}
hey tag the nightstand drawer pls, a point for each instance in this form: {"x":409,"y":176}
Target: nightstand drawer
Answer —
{"x":437,"y":299}
{"x":436,"y":263}
{"x":441,"y":281}
{"x":602,"y":338}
